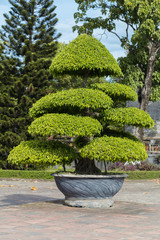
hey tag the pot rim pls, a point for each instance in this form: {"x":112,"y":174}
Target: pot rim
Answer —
{"x":72,"y":175}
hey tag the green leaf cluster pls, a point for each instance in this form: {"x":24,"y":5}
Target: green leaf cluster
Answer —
{"x":85,"y":53}
{"x":41,"y":153}
{"x":114,"y":149}
{"x":64,"y":125}
{"x":117,"y":91}
{"x":155,"y":95}
{"x":133,"y":74}
{"x":70,"y":101}
{"x":130,"y":116}
{"x":149,"y":17}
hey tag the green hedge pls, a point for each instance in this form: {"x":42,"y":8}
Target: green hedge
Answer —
{"x":25,"y":174}
{"x":138,"y":175}
{"x":46,"y":175}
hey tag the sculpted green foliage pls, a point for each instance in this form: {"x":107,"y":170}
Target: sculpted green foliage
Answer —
{"x":114,"y":149}
{"x":121,"y":147}
{"x":120,"y":134}
{"x":74,"y":116}
{"x":117,"y":91}
{"x":41,"y":153}
{"x":130,"y":116}
{"x":64,"y":124}
{"x":85,"y":53}
{"x":68,"y":81}
{"x":71,"y":100}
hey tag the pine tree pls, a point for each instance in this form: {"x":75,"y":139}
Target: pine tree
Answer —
{"x":9,"y":123}
{"x":30,"y":34}
{"x":30,"y":41}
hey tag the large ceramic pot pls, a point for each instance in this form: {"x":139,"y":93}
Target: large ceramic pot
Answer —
{"x":89,"y":190}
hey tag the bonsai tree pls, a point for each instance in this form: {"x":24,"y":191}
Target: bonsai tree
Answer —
{"x":85,"y":57}
{"x":82,"y":125}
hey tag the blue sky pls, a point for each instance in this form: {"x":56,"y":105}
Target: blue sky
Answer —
{"x":65,"y":10}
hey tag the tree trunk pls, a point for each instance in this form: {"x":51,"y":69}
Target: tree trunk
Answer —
{"x":146,"y":90}
{"x":86,"y":166}
{"x":85,"y":79}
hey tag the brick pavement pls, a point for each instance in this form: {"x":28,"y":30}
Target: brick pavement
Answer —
{"x":39,"y":214}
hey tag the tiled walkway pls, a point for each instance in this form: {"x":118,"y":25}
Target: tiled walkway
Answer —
{"x":34,"y":210}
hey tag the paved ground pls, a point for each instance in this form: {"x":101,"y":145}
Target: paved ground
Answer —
{"x":34,"y":210}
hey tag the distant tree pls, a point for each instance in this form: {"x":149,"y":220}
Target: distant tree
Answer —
{"x":134,"y":67}
{"x":30,"y":35}
{"x":12,"y":127}
{"x":30,"y":41}
{"x":143,"y":19}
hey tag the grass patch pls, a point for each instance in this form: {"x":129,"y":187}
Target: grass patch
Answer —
{"x":26,"y":174}
{"x":136,"y":175}
{"x":46,"y":175}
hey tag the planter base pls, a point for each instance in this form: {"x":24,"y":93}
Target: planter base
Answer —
{"x":89,"y":191}
{"x":99,"y":203}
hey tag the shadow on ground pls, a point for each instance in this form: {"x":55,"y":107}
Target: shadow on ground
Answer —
{"x":39,"y":202}
{"x":20,"y":199}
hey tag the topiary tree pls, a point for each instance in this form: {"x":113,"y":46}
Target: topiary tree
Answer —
{"x":83,"y":124}
{"x":85,"y":56}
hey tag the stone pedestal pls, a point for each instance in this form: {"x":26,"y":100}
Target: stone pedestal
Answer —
{"x":89,"y":191}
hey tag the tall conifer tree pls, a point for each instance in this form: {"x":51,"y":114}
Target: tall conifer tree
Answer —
{"x":30,"y":40}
